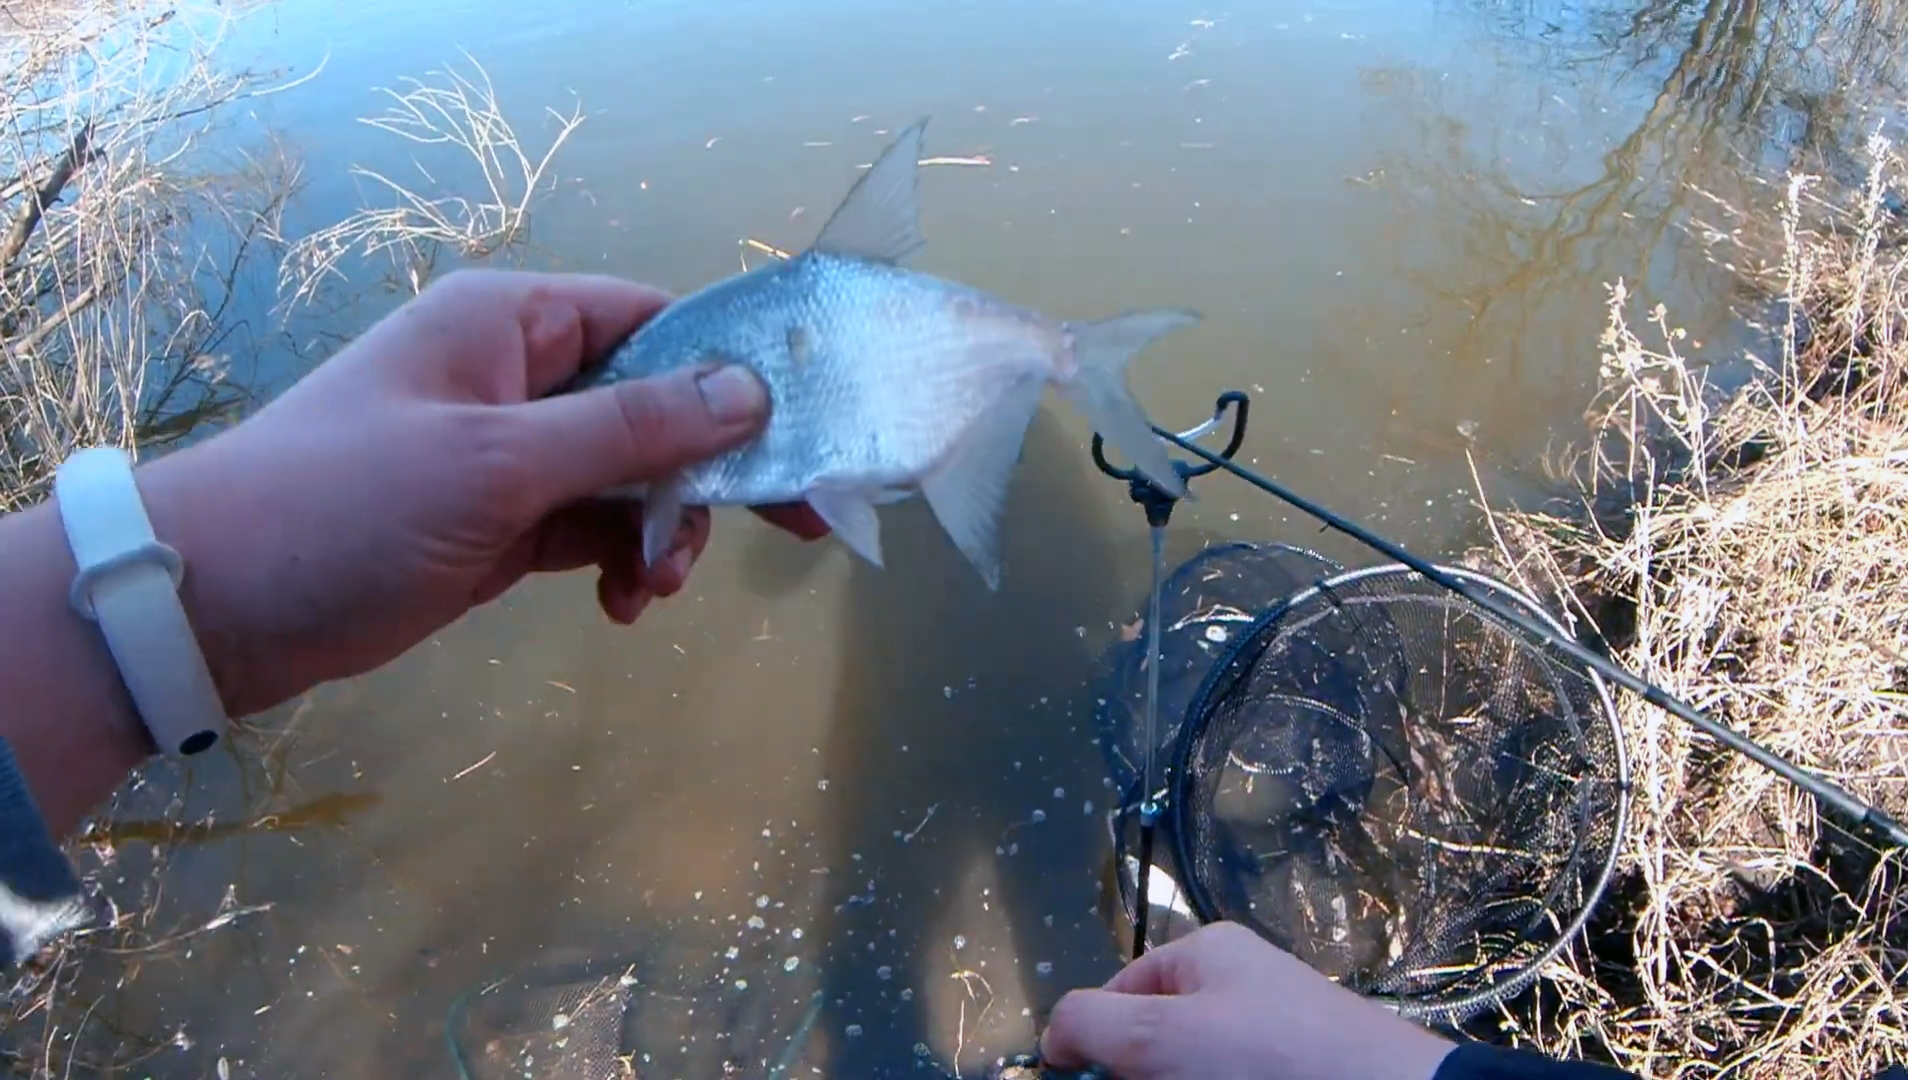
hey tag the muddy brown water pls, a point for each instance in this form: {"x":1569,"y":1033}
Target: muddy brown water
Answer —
{"x":1398,"y":219}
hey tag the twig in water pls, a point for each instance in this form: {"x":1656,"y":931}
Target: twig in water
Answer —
{"x":474,"y":766}
{"x":968,"y":977}
{"x":909,"y":836}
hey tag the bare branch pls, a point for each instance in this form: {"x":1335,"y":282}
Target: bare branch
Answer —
{"x":34,"y":209}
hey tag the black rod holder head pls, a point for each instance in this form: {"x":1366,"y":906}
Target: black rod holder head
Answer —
{"x":1157,"y":503}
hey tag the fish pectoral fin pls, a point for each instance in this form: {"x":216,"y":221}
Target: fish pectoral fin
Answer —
{"x":968,"y":490}
{"x":880,"y":218}
{"x":662,"y":516}
{"x":851,"y":517}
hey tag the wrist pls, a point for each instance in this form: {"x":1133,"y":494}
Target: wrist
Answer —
{"x":187,"y":507}
{"x":69,"y":719}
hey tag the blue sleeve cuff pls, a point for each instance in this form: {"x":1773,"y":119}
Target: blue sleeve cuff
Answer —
{"x":40,"y":895}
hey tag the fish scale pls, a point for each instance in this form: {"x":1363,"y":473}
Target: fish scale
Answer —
{"x":884,"y":381}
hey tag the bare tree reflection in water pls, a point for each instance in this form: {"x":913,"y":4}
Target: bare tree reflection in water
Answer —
{"x":966,"y":792}
{"x":1499,"y":215}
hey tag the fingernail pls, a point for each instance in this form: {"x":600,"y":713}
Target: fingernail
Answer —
{"x":733,"y":394}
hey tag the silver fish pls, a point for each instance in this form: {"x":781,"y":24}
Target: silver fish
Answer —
{"x":884,"y":381}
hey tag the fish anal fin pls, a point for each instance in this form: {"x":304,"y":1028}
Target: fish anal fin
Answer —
{"x":662,"y":516}
{"x":880,"y":218}
{"x":851,"y":517}
{"x":968,"y":489}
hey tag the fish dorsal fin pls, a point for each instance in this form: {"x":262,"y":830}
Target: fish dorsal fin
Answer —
{"x":881,"y":217}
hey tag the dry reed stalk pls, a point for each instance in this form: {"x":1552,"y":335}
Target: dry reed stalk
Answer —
{"x":463,"y":116}
{"x":124,"y":240}
{"x":1748,"y":552}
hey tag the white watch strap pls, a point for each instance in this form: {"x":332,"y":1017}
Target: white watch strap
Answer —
{"x":128,"y":583}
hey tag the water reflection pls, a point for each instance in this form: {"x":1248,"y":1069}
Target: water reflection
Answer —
{"x":964,"y":837}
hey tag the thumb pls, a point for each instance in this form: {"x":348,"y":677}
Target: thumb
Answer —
{"x":641,"y":430}
{"x":1123,"y":1033}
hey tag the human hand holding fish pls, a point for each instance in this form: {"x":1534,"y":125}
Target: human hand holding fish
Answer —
{"x":408,"y":478}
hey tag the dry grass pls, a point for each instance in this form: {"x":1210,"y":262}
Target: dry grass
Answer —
{"x":123,"y":243}
{"x":460,"y":114}
{"x":1748,"y":552}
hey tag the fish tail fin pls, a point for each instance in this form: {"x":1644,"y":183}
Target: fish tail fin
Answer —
{"x":1102,"y":351}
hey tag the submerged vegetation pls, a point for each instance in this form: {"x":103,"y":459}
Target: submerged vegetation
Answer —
{"x":1747,"y":551}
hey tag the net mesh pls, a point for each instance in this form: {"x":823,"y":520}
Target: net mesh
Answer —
{"x":626,"y":1013}
{"x":546,"y":1025}
{"x":1205,"y":605}
{"x":1412,"y":798}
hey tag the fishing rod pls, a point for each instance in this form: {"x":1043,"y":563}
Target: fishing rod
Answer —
{"x":1869,"y":819}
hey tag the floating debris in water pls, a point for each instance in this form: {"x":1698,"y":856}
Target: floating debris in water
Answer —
{"x":884,"y":973}
{"x":960,"y":941}
{"x":1044,"y":967}
{"x":853,"y":1031}
{"x":791,"y":963}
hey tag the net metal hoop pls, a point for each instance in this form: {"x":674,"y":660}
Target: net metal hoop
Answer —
{"x":1182,"y":804}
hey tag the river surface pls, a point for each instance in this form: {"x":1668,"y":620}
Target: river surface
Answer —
{"x":807,"y":775}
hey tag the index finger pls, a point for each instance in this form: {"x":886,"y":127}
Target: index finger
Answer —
{"x":573,"y":321}
{"x":1176,"y":967}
